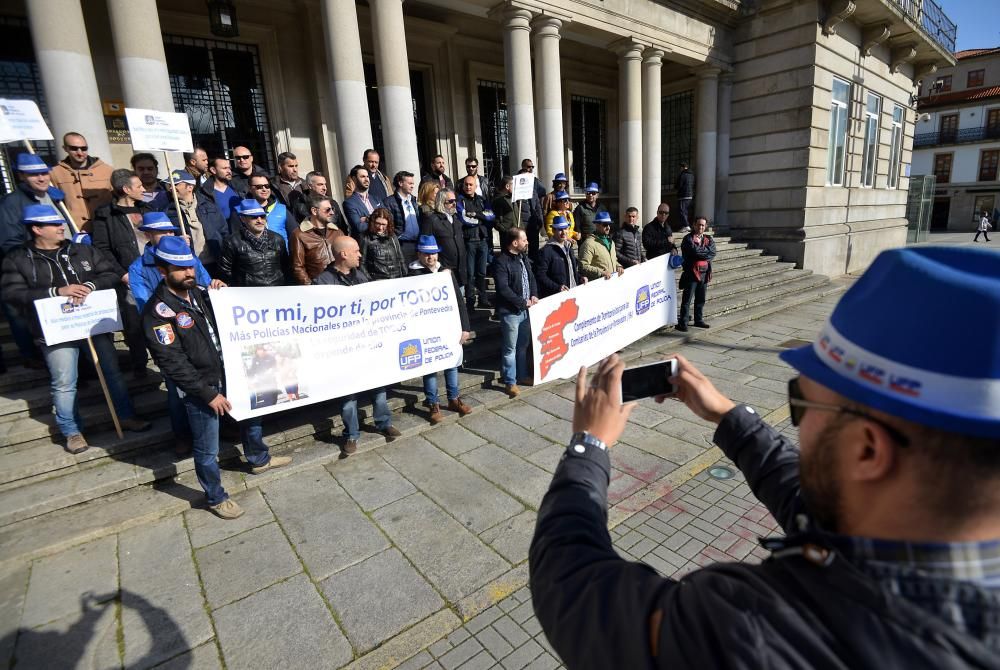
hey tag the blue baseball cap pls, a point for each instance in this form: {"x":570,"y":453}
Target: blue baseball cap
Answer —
{"x":428,"y":244}
{"x":603,"y":217}
{"x":157,"y":222}
{"x":881,"y":346}
{"x":31,"y":164}
{"x":250,"y":208}
{"x":42,"y":215}
{"x":560,"y":176}
{"x":181,"y":176}
{"x":561,"y":195}
{"x":175,"y":251}
{"x":592,"y":187}
{"x":559,"y":223}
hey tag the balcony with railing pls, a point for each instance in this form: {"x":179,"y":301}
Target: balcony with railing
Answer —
{"x":963,"y":136}
{"x":929,"y":15}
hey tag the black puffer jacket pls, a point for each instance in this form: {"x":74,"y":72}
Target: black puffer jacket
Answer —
{"x":242,"y":265}
{"x":477,"y":225}
{"x":450,"y":239}
{"x":657,"y":239}
{"x":552,"y":270}
{"x":382,"y":257}
{"x":178,"y":336}
{"x":113,"y":233}
{"x":789,"y":612}
{"x":628,"y":244}
{"x":29,"y":274}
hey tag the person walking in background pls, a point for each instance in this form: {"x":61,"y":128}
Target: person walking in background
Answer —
{"x":698,"y":250}
{"x":984,"y":228}
{"x":685,"y":196}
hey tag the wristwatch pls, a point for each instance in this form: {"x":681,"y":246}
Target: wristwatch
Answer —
{"x":581,"y":442}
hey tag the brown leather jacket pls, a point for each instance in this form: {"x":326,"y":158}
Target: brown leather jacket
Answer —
{"x":311,"y":251}
{"x":86,"y":188}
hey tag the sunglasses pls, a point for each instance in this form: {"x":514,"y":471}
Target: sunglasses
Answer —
{"x":244,"y":158}
{"x":797,"y":405}
{"x":72,"y":148}
{"x":450,"y":202}
{"x":262,"y":186}
{"x":662,"y":212}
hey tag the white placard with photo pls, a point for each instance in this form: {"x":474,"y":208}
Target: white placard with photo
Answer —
{"x":22,"y":120}
{"x":63,"y":321}
{"x":158,"y":131}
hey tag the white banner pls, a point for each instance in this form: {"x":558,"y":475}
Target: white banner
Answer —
{"x":158,"y":131}
{"x":290,"y":346}
{"x":523,"y":187}
{"x":596,"y":319}
{"x":63,"y":321}
{"x":21,"y":120}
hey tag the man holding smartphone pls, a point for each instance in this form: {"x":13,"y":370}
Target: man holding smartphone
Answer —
{"x":891,"y":507}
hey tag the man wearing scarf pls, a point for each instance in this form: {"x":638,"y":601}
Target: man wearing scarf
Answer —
{"x":598,"y":258}
{"x":253,"y":255}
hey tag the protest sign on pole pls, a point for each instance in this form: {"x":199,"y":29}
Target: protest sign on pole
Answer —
{"x":63,"y":321}
{"x":22,"y":120}
{"x":587,"y":323}
{"x":158,"y":131}
{"x":285,"y":347}
{"x":523,"y":186}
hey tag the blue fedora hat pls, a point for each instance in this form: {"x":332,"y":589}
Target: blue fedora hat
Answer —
{"x":592,"y":187}
{"x":42,"y":215}
{"x":559,"y":223}
{"x":603,"y":217}
{"x":31,"y":164}
{"x":174,"y":250}
{"x":428,"y":244}
{"x":181,"y":176}
{"x":157,"y":222}
{"x":560,"y":176}
{"x":883,"y":346}
{"x":250,"y":207}
{"x":561,"y":195}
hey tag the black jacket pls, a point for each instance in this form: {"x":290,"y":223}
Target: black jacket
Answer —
{"x":471,"y":211}
{"x":242,"y":265}
{"x":448,"y":183}
{"x":449,"y":238}
{"x":685,"y":184}
{"x":29,"y":274}
{"x":789,"y":612}
{"x":299,"y":210}
{"x":628,"y":245}
{"x":114,"y":234}
{"x":13,"y":233}
{"x":216,"y":228}
{"x":551,"y":273}
{"x":508,"y":281}
{"x":657,"y":239}
{"x":416,"y":269}
{"x":382,"y":257}
{"x":692,"y":254}
{"x":330,"y":276}
{"x":241,"y":183}
{"x":179,"y":340}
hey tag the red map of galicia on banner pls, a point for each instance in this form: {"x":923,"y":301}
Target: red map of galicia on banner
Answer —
{"x":553,"y":344}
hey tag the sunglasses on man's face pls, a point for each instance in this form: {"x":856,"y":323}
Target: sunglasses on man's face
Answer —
{"x":450,"y":202}
{"x":797,"y":405}
{"x":262,"y":186}
{"x":72,"y":148}
{"x":244,"y":158}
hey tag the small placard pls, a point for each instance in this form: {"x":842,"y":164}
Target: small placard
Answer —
{"x":21,"y":120}
{"x":524,"y":185}
{"x":158,"y":131}
{"x":63,"y":321}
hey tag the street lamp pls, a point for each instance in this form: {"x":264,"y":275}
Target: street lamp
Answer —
{"x":222,"y":18}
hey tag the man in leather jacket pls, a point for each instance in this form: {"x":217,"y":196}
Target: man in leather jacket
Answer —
{"x":253,"y":255}
{"x":891,"y":506}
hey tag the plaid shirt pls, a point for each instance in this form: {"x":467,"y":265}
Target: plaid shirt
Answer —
{"x":959,"y":581}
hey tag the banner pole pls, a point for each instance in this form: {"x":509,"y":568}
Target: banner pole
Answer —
{"x":73,"y":229}
{"x":173,"y":190}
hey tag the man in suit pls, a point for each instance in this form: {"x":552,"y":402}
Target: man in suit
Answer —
{"x":405,"y":214}
{"x":361,"y":203}
{"x":379,"y":186}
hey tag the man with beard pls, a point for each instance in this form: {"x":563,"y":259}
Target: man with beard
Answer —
{"x":437,"y":174}
{"x":890,"y":506}
{"x":361,"y":204}
{"x":85,"y":179}
{"x":183,"y":337}
{"x":218,"y":186}
{"x":253,"y":256}
{"x":378,"y":183}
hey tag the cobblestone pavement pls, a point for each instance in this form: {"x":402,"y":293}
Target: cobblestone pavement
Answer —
{"x":411,"y":555}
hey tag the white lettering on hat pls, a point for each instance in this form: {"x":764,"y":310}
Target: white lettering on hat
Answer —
{"x":173,"y":257}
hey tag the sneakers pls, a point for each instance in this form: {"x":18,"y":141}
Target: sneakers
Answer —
{"x":275,"y":462}
{"x":75,"y":444}
{"x":136,"y":425}
{"x":512,"y":390}
{"x":681,"y":326}
{"x":456,"y":405}
{"x":391,"y":433}
{"x":701,"y":324}
{"x":227,"y":509}
{"x":349,"y":447}
{"x":435,"y":417}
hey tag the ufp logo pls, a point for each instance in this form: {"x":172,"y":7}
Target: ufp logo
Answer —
{"x":910,"y":387}
{"x":410,"y":354}
{"x":642,"y":300}
{"x":67,"y":307}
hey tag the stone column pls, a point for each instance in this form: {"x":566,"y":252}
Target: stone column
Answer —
{"x":652,"y":166}
{"x":392,"y":66}
{"x":704,"y":168}
{"x":549,"y":113}
{"x":347,"y":81}
{"x":142,"y":64}
{"x":520,"y":103}
{"x":722,"y":153}
{"x":63,"y":53}
{"x":630,"y":163}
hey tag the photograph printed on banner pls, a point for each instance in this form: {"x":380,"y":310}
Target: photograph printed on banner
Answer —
{"x":273,"y":373}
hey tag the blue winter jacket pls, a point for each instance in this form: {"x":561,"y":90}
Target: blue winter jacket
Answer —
{"x":143,"y":277}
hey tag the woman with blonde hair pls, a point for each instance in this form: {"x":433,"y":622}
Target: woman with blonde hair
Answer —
{"x":427,"y":195}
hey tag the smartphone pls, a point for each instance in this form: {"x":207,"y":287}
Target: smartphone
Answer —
{"x":646,"y":381}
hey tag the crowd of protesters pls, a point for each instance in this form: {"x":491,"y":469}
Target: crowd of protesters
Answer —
{"x":82,"y":226}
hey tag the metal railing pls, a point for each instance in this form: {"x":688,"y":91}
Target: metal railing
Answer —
{"x":962,"y":136}
{"x":934,"y":21}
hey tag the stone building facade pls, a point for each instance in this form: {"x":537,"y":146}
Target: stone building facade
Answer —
{"x":958,"y":139}
{"x":613,"y":91}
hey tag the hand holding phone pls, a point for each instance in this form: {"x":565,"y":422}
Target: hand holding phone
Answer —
{"x":648,"y":380}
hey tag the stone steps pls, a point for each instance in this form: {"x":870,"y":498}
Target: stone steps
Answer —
{"x":38,"y":478}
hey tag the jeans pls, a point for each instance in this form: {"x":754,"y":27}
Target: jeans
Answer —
{"x":63,"y":360}
{"x":179,"y":425}
{"x":684,"y":210}
{"x":349,"y":413}
{"x":19,"y":331}
{"x":516,"y":332}
{"x":204,"y":424}
{"x":477,"y":254}
{"x":696,"y":290}
{"x":252,"y":436}
{"x":431,"y":385}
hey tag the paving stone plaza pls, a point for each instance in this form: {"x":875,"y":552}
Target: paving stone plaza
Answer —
{"x":411,"y":554}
